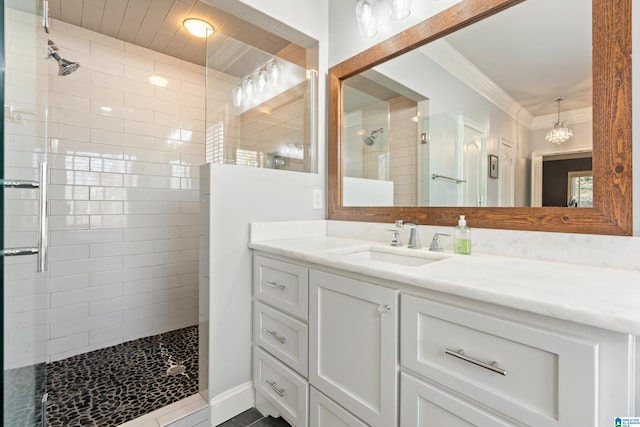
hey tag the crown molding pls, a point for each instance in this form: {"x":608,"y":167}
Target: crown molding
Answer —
{"x":580,"y":115}
{"x":445,"y":55}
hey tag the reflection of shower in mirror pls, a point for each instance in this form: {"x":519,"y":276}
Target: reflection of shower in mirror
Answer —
{"x":373,"y":136}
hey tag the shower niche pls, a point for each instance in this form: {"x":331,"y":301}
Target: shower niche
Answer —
{"x":261,"y":105}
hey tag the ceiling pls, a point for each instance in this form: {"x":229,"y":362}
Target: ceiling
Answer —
{"x":535,"y":51}
{"x":157,"y":24}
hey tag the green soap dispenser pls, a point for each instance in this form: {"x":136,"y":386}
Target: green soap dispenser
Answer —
{"x":462,"y":237}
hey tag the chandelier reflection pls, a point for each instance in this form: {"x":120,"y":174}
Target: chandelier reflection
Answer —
{"x":559,"y":133}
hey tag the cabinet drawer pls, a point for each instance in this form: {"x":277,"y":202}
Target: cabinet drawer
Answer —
{"x":284,"y":389}
{"x":282,"y":285}
{"x":547,"y":375}
{"x":283,"y":336}
{"x":324,"y":412}
{"x":423,"y":405}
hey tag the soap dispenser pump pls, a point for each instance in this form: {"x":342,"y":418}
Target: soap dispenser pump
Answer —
{"x":462,"y":237}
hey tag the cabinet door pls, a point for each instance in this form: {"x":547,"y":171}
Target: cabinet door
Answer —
{"x":324,"y":412}
{"x":353,"y":355}
{"x":424,"y":405}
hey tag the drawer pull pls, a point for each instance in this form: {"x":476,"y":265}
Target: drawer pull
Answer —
{"x":493,"y":366}
{"x":274,"y":387}
{"x":276,"y":285}
{"x":277,"y":337}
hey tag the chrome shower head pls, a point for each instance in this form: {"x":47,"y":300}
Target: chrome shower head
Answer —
{"x":65,"y":67}
{"x":373,"y":136}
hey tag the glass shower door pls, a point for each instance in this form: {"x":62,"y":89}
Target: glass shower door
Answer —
{"x":23,"y":212}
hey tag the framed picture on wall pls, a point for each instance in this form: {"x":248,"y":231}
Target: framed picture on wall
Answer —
{"x":493,"y":166}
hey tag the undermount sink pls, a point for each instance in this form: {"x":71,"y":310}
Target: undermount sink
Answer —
{"x":392,"y":255}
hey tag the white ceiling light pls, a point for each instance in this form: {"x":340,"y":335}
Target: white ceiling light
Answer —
{"x":559,"y":133}
{"x":198,"y":27}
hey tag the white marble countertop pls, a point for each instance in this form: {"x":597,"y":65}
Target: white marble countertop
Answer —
{"x":602,"y":297}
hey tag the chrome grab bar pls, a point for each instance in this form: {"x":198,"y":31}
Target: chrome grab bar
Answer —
{"x":456,"y":180}
{"x":43,"y":220}
{"x":20,"y":184}
{"x":41,"y":250}
{"x":493,"y":366}
{"x":18,"y":251}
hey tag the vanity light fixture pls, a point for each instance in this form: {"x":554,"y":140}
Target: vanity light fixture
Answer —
{"x":400,"y":9}
{"x":258,"y":85}
{"x":367,"y":17}
{"x":367,"y":14}
{"x":559,"y":133}
{"x":198,"y":27}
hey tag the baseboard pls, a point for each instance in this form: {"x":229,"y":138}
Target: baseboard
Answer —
{"x":231,"y":403}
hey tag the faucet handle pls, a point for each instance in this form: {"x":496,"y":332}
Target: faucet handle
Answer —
{"x":436,"y":245}
{"x":396,"y":240}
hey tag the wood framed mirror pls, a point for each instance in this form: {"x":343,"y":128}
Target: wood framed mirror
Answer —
{"x":612,"y":143}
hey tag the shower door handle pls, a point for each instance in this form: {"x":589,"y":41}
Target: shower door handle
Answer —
{"x":43,"y":243}
{"x":42,"y":248}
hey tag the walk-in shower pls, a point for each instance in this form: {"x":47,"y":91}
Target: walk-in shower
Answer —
{"x":65,"y":67}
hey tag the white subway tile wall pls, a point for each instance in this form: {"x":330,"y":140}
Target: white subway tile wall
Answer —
{"x":124,"y":193}
{"x":403,"y":162}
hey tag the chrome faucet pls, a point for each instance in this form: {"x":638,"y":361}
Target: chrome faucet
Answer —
{"x":436,"y":245}
{"x":396,"y":240}
{"x":413,"y":233}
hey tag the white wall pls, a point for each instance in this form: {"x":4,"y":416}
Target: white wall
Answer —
{"x":582,"y":137}
{"x":124,"y":160}
{"x":240,"y":195}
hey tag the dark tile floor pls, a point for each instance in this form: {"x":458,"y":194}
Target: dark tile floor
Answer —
{"x":114,"y":385}
{"x":253,"y":418}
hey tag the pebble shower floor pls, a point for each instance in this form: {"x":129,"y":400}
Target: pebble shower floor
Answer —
{"x":111,"y":386}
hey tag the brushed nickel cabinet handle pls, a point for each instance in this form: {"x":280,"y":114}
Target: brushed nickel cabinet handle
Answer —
{"x":277,"y":337}
{"x":493,"y":366}
{"x":276,"y":285}
{"x":274,"y":387}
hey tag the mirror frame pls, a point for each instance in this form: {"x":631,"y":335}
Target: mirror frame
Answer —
{"x":612,"y":143}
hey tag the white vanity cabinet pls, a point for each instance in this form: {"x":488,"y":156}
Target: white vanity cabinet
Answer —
{"x":490,"y":370}
{"x":353,"y":345}
{"x":343,"y":349}
{"x":280,"y":335}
